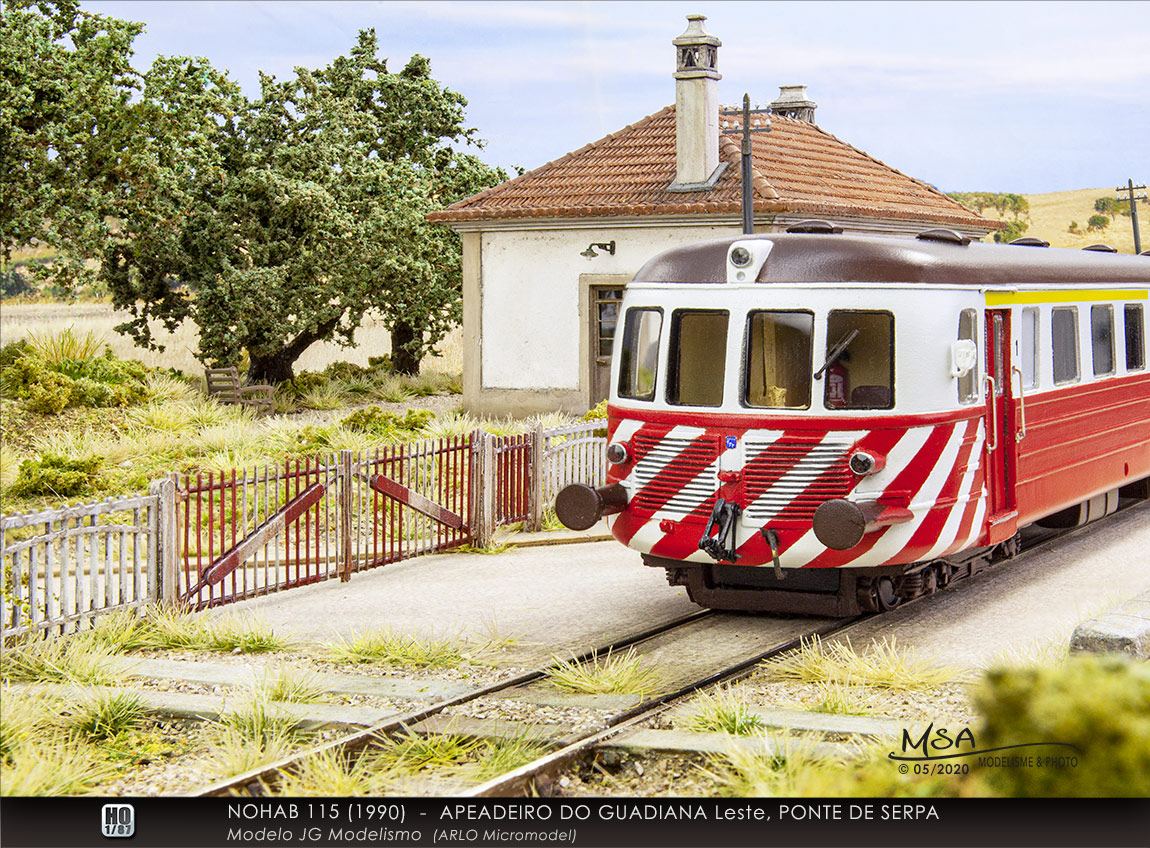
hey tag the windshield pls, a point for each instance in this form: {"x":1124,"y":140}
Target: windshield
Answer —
{"x":778,"y":365}
{"x":859,"y":373}
{"x":639,"y":358}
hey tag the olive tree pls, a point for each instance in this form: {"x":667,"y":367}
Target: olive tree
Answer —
{"x":306,"y":211}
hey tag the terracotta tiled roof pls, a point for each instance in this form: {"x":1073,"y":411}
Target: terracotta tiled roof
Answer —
{"x":798,"y":168}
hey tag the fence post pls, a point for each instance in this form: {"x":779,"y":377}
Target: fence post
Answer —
{"x":343,"y":566}
{"x":166,"y":590}
{"x":535,"y":481}
{"x":482,"y":488}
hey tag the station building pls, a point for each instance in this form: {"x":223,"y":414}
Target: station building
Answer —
{"x":546,"y":255}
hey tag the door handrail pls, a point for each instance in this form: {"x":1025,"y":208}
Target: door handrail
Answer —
{"x":1021,"y":434}
{"x":993,"y":444}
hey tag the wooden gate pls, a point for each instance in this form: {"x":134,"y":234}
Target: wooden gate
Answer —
{"x":253,"y":531}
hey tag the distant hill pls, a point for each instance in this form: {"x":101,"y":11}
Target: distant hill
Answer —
{"x":1051,"y":215}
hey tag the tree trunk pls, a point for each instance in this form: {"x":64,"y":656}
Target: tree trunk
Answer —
{"x":277,"y":367}
{"x":273,"y":369}
{"x":403,"y":361}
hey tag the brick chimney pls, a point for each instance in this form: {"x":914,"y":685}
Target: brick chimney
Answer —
{"x":696,"y":108}
{"x":793,"y":103}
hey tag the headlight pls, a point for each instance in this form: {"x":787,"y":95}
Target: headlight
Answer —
{"x":617,"y":453}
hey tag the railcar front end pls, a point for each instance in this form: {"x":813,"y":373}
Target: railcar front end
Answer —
{"x":806,"y":423}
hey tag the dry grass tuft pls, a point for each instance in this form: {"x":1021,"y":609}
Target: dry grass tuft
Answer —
{"x":885,"y":665}
{"x":611,"y":674}
{"x":721,"y":710}
{"x":390,"y":648}
{"x":59,"y":659}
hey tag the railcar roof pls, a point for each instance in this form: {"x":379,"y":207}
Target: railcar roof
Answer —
{"x":819,"y":258}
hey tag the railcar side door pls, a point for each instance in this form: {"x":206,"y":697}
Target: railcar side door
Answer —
{"x":1001,"y":443}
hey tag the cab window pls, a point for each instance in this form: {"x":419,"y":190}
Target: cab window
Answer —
{"x":639,"y":357}
{"x":698,"y":357}
{"x":777,"y":371}
{"x":858,"y":371}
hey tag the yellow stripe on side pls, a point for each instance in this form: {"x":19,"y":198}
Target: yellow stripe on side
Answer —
{"x":1009,"y":298}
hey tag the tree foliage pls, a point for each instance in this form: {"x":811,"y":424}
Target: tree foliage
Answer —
{"x":273,"y":223}
{"x":1097,"y":222}
{"x":1111,"y":207}
{"x":1014,"y":209}
{"x":66,"y":84}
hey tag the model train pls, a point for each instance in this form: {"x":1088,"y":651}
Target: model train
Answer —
{"x":821,"y":423}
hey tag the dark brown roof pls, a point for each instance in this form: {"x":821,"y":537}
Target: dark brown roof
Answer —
{"x":798,"y":168}
{"x":812,"y":258}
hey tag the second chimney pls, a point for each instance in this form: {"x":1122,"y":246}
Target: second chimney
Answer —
{"x":696,"y":107}
{"x":793,"y":103}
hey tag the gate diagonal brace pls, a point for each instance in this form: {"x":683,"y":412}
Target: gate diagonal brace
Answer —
{"x":724,"y":514}
{"x":227,"y":562}
{"x":387,"y":486}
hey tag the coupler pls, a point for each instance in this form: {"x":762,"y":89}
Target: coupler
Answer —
{"x":580,"y":506}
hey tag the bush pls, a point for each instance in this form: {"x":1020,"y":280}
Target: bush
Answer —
{"x":52,"y":385}
{"x":57,"y":475}
{"x":306,"y":381}
{"x":375,"y":421}
{"x":1101,"y":705}
{"x":49,"y":393}
{"x":13,"y":283}
{"x":1097,"y":222}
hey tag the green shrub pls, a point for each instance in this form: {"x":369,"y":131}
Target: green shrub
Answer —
{"x":1101,"y":705}
{"x":597,"y":413}
{"x":50,"y":394}
{"x":51,"y":385}
{"x":377,"y":422}
{"x":346,"y":371}
{"x":57,"y":475}
{"x":14,"y":351}
{"x":306,"y":381}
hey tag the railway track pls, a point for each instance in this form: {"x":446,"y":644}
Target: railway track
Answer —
{"x":733,"y":645}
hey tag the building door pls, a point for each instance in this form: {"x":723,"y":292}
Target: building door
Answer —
{"x":605,"y":302}
{"x":1001,"y":443}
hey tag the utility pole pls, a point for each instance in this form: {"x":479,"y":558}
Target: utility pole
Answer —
{"x":1130,"y":187}
{"x":747,"y":189}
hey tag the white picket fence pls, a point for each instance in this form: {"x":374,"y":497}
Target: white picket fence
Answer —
{"x":80,"y":561}
{"x":575,"y":454}
{"x":61,"y":568}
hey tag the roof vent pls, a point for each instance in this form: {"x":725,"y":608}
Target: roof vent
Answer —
{"x":948,"y":236}
{"x":1031,"y":241}
{"x":1101,"y":248}
{"x":822,"y":227}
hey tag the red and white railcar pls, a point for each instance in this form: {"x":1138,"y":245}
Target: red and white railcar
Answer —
{"x":822,"y":423}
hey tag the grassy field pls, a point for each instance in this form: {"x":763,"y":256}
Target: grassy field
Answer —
{"x":1051,"y":215}
{"x":19,"y":320}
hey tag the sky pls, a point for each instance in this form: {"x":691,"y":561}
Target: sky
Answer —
{"x":1025,"y":97}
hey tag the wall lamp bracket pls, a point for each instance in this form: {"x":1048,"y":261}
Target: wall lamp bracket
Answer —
{"x":590,"y":251}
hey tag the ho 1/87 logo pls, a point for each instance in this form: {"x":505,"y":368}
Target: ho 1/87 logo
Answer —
{"x":118,"y":820}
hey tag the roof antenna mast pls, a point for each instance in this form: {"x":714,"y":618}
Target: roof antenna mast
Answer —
{"x":747,"y":188}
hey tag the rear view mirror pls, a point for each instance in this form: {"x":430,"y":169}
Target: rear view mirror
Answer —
{"x":963,"y":357}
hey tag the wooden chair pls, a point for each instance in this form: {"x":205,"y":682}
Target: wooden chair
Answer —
{"x":224,"y":385}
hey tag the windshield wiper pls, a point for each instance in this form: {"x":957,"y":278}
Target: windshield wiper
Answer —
{"x":836,"y":352}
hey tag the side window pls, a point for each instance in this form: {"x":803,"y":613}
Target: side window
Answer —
{"x":639,"y":358}
{"x":968,"y":329}
{"x":1135,"y":337}
{"x":1064,"y":336}
{"x":1028,"y":347}
{"x":1102,"y":338}
{"x":698,"y":360}
{"x":858,"y":371}
{"x":777,"y":372}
